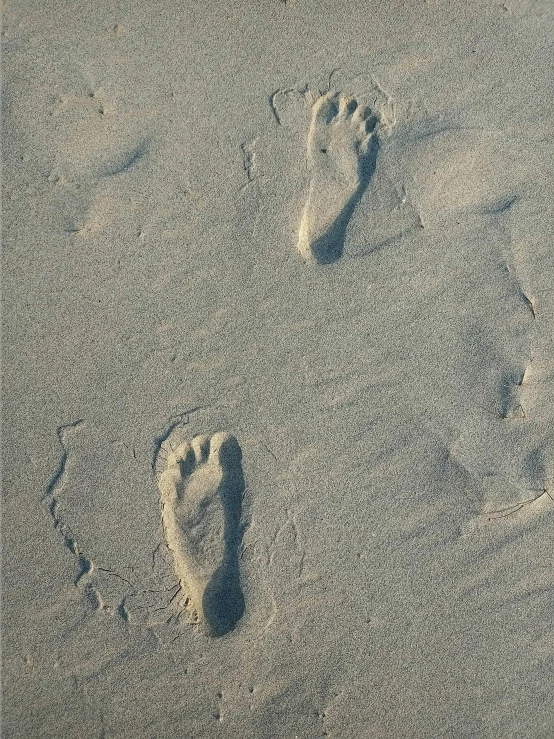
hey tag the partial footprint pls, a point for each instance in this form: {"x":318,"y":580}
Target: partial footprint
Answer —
{"x":201,"y":486}
{"x":342,"y":152}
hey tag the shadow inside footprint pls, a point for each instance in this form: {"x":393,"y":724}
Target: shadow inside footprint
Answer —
{"x":329,"y":248}
{"x":223,"y":601}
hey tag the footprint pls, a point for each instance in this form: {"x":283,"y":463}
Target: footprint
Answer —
{"x":201,"y":487}
{"x":342,"y":151}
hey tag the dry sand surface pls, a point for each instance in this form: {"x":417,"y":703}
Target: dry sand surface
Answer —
{"x":278,"y":369}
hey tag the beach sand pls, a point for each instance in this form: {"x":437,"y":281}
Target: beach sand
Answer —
{"x":278,"y":369}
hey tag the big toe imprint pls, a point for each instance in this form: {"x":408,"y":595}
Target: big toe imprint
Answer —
{"x":201,"y":486}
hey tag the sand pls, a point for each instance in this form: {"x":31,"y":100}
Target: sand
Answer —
{"x":278,"y":369}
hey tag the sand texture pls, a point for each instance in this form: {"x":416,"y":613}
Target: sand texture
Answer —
{"x":278,"y":369}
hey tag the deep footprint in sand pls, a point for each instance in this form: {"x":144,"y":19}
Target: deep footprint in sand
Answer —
{"x":201,"y":487}
{"x":342,"y":151}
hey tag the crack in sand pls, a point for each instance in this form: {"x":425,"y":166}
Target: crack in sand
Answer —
{"x":84,"y":564}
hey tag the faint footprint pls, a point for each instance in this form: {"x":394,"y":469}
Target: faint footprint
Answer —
{"x":201,"y":487}
{"x":342,"y":151}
